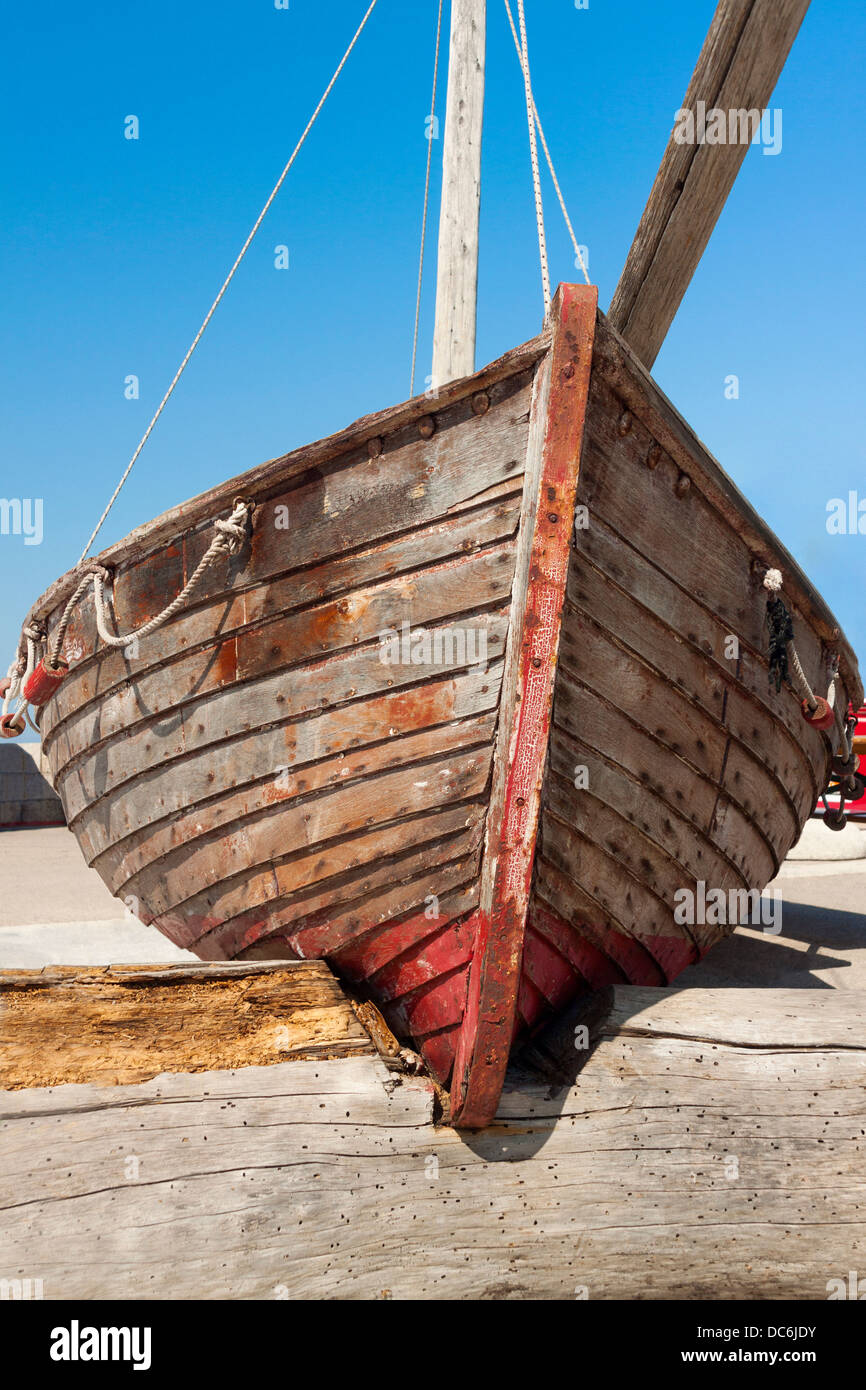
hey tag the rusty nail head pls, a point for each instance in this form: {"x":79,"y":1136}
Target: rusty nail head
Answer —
{"x":568,"y":370}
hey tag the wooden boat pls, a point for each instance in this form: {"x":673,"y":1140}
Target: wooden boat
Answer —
{"x":263,"y":780}
{"x":484,"y":693}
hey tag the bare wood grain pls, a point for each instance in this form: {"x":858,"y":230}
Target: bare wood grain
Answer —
{"x":616,"y":364}
{"x":326,"y":1180}
{"x":120,"y":1027}
{"x":457,"y":271}
{"x":738,"y":67}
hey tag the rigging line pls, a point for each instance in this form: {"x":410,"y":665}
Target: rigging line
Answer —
{"x":211,"y":311}
{"x":577,"y":248}
{"x":426,"y":199}
{"x":533,"y":151}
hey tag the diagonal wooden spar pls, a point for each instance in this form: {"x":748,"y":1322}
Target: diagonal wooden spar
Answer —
{"x":739,"y":65}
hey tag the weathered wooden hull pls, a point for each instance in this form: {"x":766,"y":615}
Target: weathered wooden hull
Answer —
{"x":425,"y":729}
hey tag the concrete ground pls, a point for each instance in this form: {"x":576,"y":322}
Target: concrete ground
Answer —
{"x":56,"y":911}
{"x":822,"y":942}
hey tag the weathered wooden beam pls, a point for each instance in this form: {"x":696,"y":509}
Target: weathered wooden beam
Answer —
{"x":121,"y":1024}
{"x":457,"y":284}
{"x":739,"y":65}
{"x":711,"y":1148}
{"x":552,"y":466}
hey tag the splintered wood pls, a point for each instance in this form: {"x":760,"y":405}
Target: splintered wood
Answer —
{"x":124,"y":1024}
{"x":706,"y":1144}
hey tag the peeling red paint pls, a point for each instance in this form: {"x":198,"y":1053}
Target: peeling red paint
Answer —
{"x":489,"y":1024}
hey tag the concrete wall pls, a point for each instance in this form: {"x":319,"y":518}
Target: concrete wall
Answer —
{"x":26,"y":795}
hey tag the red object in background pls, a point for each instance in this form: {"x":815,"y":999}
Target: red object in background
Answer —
{"x":858,"y":808}
{"x":852,"y":808}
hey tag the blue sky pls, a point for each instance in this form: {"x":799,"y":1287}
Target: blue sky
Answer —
{"x":113,"y":249}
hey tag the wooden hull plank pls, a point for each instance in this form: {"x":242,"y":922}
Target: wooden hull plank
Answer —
{"x":95,"y":675}
{"x":604,"y":735}
{"x":204,"y":814}
{"x":616,"y":366}
{"x":686,"y":536}
{"x":587,"y":962}
{"x":612,"y":555}
{"x":297,"y":756}
{"x":466,"y":590}
{"x":674,"y":722}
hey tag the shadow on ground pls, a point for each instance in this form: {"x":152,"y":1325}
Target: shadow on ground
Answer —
{"x":542,"y":1078}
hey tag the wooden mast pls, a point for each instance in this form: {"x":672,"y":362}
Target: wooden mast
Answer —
{"x":457,"y":284}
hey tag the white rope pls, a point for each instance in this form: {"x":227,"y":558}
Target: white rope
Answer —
{"x":19,"y":673}
{"x":229,"y":538}
{"x":196,"y":340}
{"x":533,"y":151}
{"x":840,"y":713}
{"x":12,"y":687}
{"x":426,"y":199}
{"x":800,"y":679}
{"x":578,"y":250}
